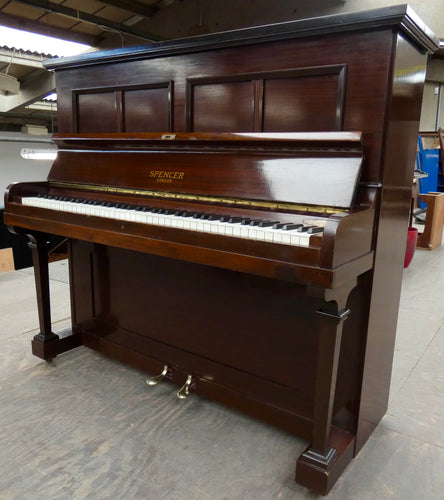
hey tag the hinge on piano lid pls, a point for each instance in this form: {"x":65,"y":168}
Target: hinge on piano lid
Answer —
{"x":168,"y":137}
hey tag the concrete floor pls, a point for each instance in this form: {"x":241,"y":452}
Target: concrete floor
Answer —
{"x":86,"y":427}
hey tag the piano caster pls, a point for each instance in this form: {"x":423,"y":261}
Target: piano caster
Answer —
{"x":184,"y":391}
{"x":158,"y":378}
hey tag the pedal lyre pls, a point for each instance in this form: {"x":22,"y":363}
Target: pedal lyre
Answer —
{"x":184,"y":391}
{"x":158,"y":378}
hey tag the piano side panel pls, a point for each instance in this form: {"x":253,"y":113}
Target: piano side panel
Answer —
{"x":398,"y":164}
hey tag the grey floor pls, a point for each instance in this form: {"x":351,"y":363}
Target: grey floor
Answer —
{"x":85,"y":427}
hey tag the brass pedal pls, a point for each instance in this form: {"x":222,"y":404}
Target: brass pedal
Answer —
{"x":158,"y":378}
{"x":184,"y":391}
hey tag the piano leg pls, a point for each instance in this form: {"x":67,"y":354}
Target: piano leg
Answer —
{"x":46,"y":344}
{"x":331,"y":449}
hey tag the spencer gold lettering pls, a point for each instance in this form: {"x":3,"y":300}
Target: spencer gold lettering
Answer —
{"x":166,"y":175}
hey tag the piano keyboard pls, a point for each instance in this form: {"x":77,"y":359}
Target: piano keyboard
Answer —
{"x":242,"y":227}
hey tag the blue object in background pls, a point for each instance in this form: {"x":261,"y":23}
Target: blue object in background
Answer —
{"x":427,"y":160}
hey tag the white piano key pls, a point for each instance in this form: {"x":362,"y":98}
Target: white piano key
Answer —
{"x":266,"y":234}
{"x":294,"y":239}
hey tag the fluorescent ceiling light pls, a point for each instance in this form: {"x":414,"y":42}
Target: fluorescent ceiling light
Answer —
{"x":32,"y":42}
{"x":38,"y":154}
{"x":441,"y":43}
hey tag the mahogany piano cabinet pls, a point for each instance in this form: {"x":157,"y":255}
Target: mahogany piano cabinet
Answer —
{"x":257,"y":183}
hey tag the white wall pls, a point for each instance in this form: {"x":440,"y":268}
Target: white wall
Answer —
{"x":14,"y":168}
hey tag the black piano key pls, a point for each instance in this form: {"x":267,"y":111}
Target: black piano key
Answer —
{"x":315,"y":229}
{"x":197,"y":215}
{"x":305,"y":229}
{"x":224,"y":218}
{"x":246,"y":221}
{"x":255,"y":222}
{"x":268,"y":223}
{"x":235,"y":220}
{"x":185,"y":213}
{"x":209,"y":216}
{"x":291,"y":227}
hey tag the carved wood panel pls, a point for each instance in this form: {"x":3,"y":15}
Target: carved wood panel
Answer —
{"x":134,"y":108}
{"x":96,"y":112}
{"x":272,"y":101}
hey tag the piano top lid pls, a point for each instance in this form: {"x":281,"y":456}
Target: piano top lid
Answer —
{"x":401,"y":16}
{"x":295,"y":141}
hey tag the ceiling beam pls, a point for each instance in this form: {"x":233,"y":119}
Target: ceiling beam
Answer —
{"x":32,"y":88}
{"x":79,"y":15}
{"x":132,"y":6}
{"x":21,"y":23}
{"x":21,"y":58}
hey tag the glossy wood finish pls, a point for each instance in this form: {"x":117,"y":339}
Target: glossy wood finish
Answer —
{"x":269,"y":335}
{"x":279,"y":170}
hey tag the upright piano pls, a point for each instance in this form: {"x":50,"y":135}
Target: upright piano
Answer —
{"x":236,"y":210}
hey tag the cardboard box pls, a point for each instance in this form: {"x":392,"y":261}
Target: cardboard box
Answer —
{"x":6,"y":260}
